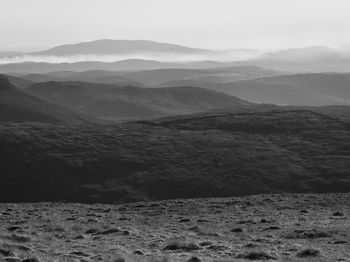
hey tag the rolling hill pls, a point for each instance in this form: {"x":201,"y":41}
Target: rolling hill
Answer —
{"x":91,"y":76}
{"x":210,"y":155}
{"x":103,"y":77}
{"x":156,"y":77}
{"x":18,"y":82}
{"x":216,"y":75}
{"x":38,"y":78}
{"x":116,"y":55}
{"x":19,"y":105}
{"x":122,"y":65}
{"x":115,"y":102}
{"x":310,"y":59}
{"x":302,"y":89}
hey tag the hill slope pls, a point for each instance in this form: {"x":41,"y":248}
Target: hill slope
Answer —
{"x":108,"y":101}
{"x":18,"y":82}
{"x":310,"y":59}
{"x":18,"y":105}
{"x":43,"y":67}
{"x":301,"y":89}
{"x":197,"y":156}
{"x":156,"y":77}
{"x":90,"y":76}
{"x":119,"y":65}
{"x":216,"y":75}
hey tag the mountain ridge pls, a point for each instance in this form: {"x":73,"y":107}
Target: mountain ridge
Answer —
{"x":120,"y":102}
{"x":110,"y":46}
{"x":304,"y":89}
{"x":19,"y":105}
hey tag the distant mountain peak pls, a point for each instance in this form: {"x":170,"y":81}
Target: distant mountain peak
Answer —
{"x":118,"y":47}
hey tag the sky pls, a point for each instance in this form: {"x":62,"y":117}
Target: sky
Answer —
{"x":32,"y":25}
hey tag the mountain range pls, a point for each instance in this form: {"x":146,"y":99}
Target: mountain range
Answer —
{"x":311,"y":59}
{"x":309,"y":89}
{"x":64,"y":140}
{"x":90,"y":76}
{"x":250,"y":83}
{"x":214,"y":75}
{"x":151,"y":78}
{"x":115,"y":55}
{"x":72,"y":101}
{"x":123,"y":65}
{"x":107,"y":50}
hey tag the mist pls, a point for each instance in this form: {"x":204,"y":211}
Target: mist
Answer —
{"x":224,"y":56}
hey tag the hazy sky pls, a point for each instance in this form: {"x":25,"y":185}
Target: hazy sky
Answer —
{"x":215,"y":24}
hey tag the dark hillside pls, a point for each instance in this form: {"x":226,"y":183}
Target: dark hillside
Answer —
{"x":213,"y":155}
{"x":17,"y":81}
{"x":19,"y":105}
{"x":116,"y":102}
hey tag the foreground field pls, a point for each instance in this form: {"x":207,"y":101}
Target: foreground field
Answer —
{"x":288,"y":227}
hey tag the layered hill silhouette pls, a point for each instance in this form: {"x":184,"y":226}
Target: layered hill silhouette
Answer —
{"x":108,"y":50}
{"x":209,"y":155}
{"x":114,"y":55}
{"x":309,"y":59}
{"x":19,"y":105}
{"x":215,"y":75}
{"x":302,"y":89}
{"x":116,"y":102}
{"x":122,"y":65}
{"x":91,"y":76}
{"x":118,"y":55}
{"x":154,"y":78}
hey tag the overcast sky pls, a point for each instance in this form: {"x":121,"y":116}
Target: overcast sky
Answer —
{"x":216,"y":24}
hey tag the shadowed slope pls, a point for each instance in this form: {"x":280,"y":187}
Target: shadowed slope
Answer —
{"x":17,"y":81}
{"x":108,"y":101}
{"x":18,"y":105}
{"x":196,"y":156}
